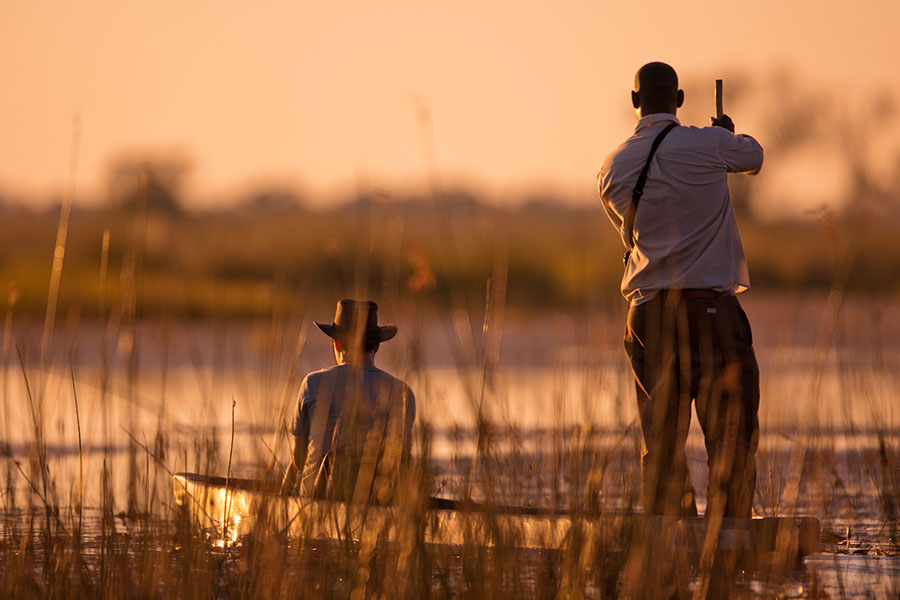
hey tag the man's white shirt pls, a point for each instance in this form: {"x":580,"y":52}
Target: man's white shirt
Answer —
{"x":685,"y":231}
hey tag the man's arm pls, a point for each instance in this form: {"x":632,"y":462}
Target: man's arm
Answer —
{"x":298,"y":460}
{"x":300,"y":431}
{"x":604,"y":184}
{"x":740,"y":152}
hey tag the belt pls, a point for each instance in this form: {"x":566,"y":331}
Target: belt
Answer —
{"x":693,"y":293}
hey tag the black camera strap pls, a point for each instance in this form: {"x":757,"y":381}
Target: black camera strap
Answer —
{"x":639,"y":191}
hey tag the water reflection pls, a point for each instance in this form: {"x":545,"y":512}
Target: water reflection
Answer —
{"x":557,"y":426}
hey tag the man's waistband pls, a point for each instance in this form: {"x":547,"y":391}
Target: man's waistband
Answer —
{"x":693,"y":293}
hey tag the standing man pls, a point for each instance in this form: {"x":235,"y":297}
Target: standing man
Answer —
{"x":686,"y":337}
{"x":353,"y":425}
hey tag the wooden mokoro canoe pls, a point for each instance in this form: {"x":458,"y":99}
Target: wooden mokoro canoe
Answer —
{"x":234,"y":506}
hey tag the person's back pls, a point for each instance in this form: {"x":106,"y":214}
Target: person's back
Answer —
{"x":353,"y":418}
{"x":685,"y":231}
{"x":353,"y":425}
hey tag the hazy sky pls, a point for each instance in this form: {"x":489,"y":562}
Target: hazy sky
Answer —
{"x":523,"y":95}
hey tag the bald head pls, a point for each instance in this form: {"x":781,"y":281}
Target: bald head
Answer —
{"x":656,"y":89}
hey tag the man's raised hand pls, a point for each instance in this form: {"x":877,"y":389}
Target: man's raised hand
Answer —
{"x":724,"y":121}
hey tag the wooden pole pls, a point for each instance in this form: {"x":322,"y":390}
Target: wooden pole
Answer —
{"x":719,"y":110}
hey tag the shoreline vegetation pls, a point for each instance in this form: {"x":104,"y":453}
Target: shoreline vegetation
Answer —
{"x":273,"y":255}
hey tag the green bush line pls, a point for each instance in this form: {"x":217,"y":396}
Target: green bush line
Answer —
{"x":228,"y":262}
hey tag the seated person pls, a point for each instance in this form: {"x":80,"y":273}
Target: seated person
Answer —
{"x":353,"y":426}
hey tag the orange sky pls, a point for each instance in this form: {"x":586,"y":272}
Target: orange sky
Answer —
{"x":523,"y":95}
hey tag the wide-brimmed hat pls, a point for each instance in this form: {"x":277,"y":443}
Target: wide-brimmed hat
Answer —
{"x":356,"y":322}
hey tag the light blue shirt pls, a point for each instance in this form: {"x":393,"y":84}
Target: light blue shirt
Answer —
{"x":378,"y":403}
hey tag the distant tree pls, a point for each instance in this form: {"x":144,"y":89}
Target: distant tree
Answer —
{"x":153,"y":182}
{"x":271,"y":199}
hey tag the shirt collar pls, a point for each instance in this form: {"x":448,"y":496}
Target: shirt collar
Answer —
{"x":655,"y":118}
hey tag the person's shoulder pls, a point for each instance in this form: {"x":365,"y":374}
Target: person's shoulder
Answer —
{"x":707,"y":132}
{"x":382,"y":374}
{"x":620,"y":160}
{"x":710,"y":138}
{"x":713,"y":134}
{"x":726,"y":141}
{"x":395,"y":381}
{"x":314,"y":377}
{"x":617,"y":153}
{"x":322,"y":371}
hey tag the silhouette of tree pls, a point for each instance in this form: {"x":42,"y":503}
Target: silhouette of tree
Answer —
{"x":270,"y":200}
{"x":151,"y":183}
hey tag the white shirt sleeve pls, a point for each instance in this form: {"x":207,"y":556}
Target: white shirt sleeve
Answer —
{"x":739,"y":152}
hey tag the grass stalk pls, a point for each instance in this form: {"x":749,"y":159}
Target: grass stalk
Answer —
{"x":79,"y":483}
{"x":62,"y":233}
{"x":228,"y":476}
